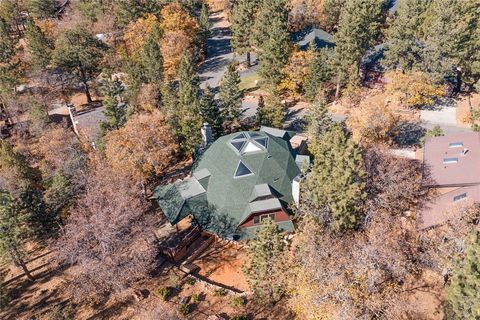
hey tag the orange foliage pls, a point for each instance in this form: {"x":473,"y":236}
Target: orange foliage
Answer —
{"x":296,"y":72}
{"x":179,"y":30}
{"x":144,"y":147}
{"x":137,"y":33}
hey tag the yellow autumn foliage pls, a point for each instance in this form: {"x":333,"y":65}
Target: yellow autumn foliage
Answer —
{"x":179,"y":31}
{"x":296,"y":72}
{"x":412,"y":89}
{"x":372,"y":121}
{"x":137,"y":33}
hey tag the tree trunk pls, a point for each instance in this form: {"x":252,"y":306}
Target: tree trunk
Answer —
{"x":337,"y":91}
{"x":85,"y":83}
{"x":18,"y":260}
{"x":249,"y":60}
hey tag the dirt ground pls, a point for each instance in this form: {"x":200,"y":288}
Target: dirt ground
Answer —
{"x":222,"y":263}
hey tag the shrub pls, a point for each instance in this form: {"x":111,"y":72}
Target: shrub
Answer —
{"x":195,"y":298}
{"x":61,"y":313}
{"x":4,"y":298}
{"x":174,"y":279}
{"x":191,"y":281}
{"x":185,"y":309}
{"x":220,"y":292}
{"x":239,"y":317}
{"x":163,"y":293}
{"x":237,"y":302}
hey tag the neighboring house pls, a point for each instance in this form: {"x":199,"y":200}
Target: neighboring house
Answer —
{"x":239,"y":180}
{"x":321,"y":38}
{"x":454,"y":165}
{"x":86,"y":124}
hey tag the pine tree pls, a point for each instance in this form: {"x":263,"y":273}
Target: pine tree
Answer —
{"x":319,"y":73}
{"x":242,"y":19}
{"x":260,"y":114}
{"x":274,"y":44}
{"x":115,"y":112}
{"x":78,"y":51}
{"x":358,"y":31}
{"x":14,"y":231}
{"x":152,"y":58}
{"x":318,"y":120}
{"x":17,"y":174}
{"x":264,"y":271}
{"x":273,"y":112}
{"x":9,"y":76}
{"x":41,"y":9}
{"x":231,"y":98}
{"x":335,"y":181}
{"x":189,"y":118}
{"x":211,"y":112}
{"x":204,"y":20}
{"x":464,"y":292}
{"x":451,"y":38}
{"x":403,"y":49}
{"x":39,"y":45}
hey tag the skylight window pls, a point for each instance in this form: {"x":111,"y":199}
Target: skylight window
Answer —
{"x":460,"y":197}
{"x":242,"y":170}
{"x":456,"y":145}
{"x":251,"y":148}
{"x":254,"y":134}
{"x":450,"y":160}
{"x":240,"y":136}
{"x":262,"y":141}
{"x":238,"y":145}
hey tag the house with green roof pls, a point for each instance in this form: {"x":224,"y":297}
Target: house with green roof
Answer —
{"x":239,"y":180}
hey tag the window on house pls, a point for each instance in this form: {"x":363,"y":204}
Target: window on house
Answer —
{"x":450,"y":160}
{"x":460,"y":197}
{"x":242,"y":170}
{"x":262,"y":141}
{"x":240,"y":136}
{"x":456,"y":145}
{"x":261,"y":218}
{"x":238,"y":145}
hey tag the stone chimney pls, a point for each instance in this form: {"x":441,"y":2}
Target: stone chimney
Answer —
{"x":207,"y":138}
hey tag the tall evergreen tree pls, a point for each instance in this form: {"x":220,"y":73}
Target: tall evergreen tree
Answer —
{"x":152,"y":58}
{"x":242,"y":19}
{"x":403,"y":48}
{"x":264,"y":270}
{"x":335,"y":181}
{"x":271,"y":113}
{"x":78,"y":51}
{"x":452,"y":40}
{"x":41,"y":9}
{"x":14,"y":230}
{"x":39,"y":45}
{"x":211,"y":113}
{"x":274,"y":44}
{"x":115,"y":112}
{"x":189,"y":118}
{"x":358,"y":31}
{"x":231,"y":98}
{"x":8,"y":67}
{"x":318,"y":120}
{"x":204,"y":20}
{"x":320,"y":71}
{"x":464,"y":290}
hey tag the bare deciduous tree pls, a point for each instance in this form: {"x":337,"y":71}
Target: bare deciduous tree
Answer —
{"x":108,"y":236}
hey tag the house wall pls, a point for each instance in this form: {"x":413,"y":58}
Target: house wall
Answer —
{"x":280,"y":215}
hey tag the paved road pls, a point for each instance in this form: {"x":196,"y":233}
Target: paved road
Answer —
{"x":219,"y":51}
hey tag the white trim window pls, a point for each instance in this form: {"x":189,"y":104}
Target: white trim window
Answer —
{"x":262,"y":217}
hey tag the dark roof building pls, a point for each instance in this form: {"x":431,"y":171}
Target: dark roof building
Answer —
{"x":321,"y":38}
{"x":239,"y":180}
{"x":453,"y":163}
{"x":86,"y":124}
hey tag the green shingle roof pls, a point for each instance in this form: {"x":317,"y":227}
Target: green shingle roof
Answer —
{"x":229,"y":197}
